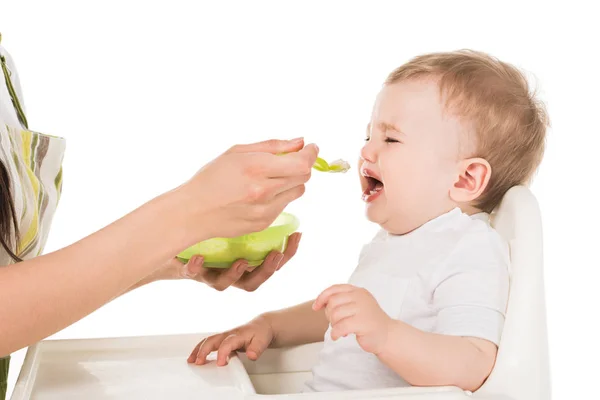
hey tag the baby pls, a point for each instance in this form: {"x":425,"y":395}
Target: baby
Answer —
{"x":449,"y":134}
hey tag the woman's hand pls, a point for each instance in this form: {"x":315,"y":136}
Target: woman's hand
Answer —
{"x":239,"y":275}
{"x":245,"y":189}
{"x":241,"y":191}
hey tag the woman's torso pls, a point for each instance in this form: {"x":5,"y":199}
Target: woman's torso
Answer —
{"x":33,"y":163}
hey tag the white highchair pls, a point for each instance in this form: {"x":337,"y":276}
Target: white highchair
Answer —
{"x":155,"y":368}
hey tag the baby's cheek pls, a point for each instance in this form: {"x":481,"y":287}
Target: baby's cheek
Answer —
{"x":396,"y":193}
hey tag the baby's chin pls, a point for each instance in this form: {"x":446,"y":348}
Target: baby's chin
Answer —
{"x":395,"y":225}
{"x":377,"y":215}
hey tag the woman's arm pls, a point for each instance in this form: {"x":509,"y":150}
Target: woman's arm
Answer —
{"x":46,"y":294}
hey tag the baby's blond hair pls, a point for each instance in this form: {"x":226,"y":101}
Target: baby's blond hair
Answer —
{"x":493,"y":101}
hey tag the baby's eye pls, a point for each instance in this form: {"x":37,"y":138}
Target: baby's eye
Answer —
{"x":367,"y":139}
{"x":390,"y":140}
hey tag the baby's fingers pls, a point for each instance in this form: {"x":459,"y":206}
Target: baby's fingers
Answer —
{"x":342,"y":312}
{"x":228,"y":346}
{"x":324,"y":297}
{"x":256,"y":348}
{"x":206,"y":347}
{"x":343,"y":328}
{"x":194,"y":354}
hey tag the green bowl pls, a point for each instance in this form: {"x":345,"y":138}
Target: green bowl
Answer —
{"x":254,"y":247}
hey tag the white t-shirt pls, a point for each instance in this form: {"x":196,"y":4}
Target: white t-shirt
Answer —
{"x":450,"y":276}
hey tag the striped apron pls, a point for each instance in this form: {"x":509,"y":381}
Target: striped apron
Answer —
{"x":34,"y":165}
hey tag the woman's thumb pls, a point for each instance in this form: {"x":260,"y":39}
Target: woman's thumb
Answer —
{"x":273,"y":146}
{"x":192,"y":267}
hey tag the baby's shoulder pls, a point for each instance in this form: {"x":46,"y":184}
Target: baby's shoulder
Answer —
{"x":477,"y":238}
{"x":473,"y":244}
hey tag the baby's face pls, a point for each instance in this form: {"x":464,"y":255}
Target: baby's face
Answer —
{"x":410,"y":159}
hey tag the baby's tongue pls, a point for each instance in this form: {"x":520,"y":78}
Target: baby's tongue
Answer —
{"x":376,"y":187}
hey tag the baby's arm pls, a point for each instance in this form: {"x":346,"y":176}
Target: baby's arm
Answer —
{"x":289,"y":327}
{"x":297,"y":325}
{"x":431,"y":359}
{"x":470,"y":300}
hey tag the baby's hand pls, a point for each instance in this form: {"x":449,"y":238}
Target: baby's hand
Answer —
{"x":253,"y":338}
{"x":353,"y":310}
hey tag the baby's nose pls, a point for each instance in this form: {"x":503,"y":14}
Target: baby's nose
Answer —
{"x":368,"y":153}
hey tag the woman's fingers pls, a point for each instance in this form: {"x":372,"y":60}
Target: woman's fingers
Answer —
{"x":298,"y":160}
{"x":192,"y":268}
{"x":239,"y":275}
{"x":297,"y":163}
{"x":272,"y":146}
{"x":291,"y":248}
{"x":252,"y":280}
{"x":276,"y":186}
{"x":226,"y":278}
{"x":220,"y":279}
{"x":283,"y":199}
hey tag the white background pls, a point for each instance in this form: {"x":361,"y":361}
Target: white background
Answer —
{"x":147,"y":92}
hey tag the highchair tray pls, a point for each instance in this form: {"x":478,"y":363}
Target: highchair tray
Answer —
{"x":155,"y":367}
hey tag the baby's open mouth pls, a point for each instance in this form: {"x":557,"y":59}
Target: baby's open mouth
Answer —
{"x":373,"y":188}
{"x":373,"y":185}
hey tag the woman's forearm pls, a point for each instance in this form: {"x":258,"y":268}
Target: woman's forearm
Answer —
{"x":297,"y":325}
{"x":46,"y":294}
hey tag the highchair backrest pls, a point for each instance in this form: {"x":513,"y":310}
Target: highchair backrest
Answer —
{"x":522,"y":368}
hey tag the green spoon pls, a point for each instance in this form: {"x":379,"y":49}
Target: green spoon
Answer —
{"x":335,"y":166}
{"x":323,"y":166}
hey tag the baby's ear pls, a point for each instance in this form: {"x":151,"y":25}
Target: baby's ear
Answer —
{"x":473,"y":177}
